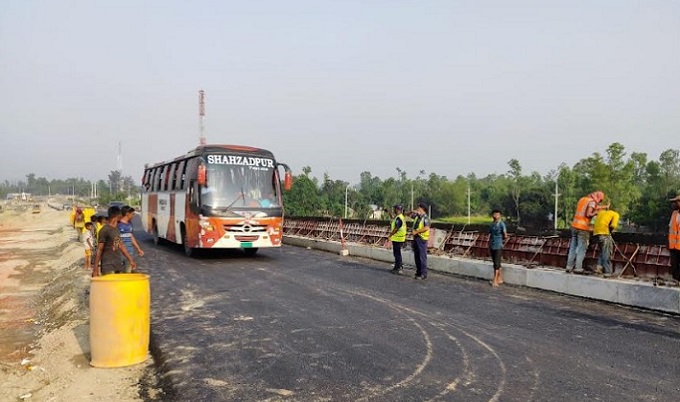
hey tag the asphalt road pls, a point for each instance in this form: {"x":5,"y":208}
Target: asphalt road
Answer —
{"x":303,"y":325}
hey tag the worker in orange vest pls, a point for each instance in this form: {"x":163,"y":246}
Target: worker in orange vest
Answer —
{"x":586,"y":209}
{"x":674,"y":238}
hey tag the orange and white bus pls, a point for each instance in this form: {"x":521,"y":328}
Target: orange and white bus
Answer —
{"x":216,"y":196}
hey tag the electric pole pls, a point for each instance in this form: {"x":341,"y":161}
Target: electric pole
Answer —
{"x":557,"y":196}
{"x":468,"y":197}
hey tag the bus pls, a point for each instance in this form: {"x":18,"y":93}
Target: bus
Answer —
{"x":216,"y":196}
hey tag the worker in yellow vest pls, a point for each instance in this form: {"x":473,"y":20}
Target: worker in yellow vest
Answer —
{"x":421,"y":234}
{"x":605,"y":223}
{"x":398,"y":237}
{"x":674,"y":238}
{"x":586,"y":209}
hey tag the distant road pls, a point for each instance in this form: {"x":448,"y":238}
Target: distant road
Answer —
{"x":302,"y":325}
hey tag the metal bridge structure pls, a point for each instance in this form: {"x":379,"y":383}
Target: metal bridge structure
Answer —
{"x":642,"y":260}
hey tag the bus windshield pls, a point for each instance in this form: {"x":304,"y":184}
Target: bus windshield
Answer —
{"x":239,"y":187}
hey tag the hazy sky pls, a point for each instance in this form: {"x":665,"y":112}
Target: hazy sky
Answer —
{"x":343,"y":86}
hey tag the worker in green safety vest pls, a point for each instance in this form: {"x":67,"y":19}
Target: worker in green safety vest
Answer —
{"x":421,"y":234}
{"x":398,"y":237}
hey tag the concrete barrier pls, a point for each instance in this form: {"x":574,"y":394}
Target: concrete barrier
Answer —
{"x":625,"y":292}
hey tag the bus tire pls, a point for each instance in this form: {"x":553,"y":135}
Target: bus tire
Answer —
{"x":189,"y":251}
{"x":250,"y":252}
{"x":156,"y":238}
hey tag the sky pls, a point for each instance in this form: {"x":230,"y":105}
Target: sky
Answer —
{"x":345,"y":86}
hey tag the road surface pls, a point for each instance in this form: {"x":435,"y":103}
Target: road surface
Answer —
{"x":303,"y":325}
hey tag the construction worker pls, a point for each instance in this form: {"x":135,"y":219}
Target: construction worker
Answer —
{"x":79,"y":221}
{"x":605,"y":223}
{"x":498,"y":233}
{"x":586,"y":209}
{"x":421,"y":233}
{"x":398,"y":237}
{"x":674,"y":238}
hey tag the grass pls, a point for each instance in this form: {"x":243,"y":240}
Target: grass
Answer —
{"x":463,"y":220}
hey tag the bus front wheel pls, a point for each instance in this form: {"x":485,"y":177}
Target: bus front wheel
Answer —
{"x":189,"y":251}
{"x":156,"y":238}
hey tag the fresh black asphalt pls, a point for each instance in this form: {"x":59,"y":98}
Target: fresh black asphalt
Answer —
{"x":293,"y":324}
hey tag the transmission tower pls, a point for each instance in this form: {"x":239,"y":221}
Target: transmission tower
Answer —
{"x":119,"y":158}
{"x":201,"y":117}
{"x":119,"y":167}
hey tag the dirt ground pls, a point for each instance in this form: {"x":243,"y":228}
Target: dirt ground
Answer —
{"x":44,"y":317}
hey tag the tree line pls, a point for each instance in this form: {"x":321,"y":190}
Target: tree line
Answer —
{"x":637,"y":186}
{"x":115,"y":187}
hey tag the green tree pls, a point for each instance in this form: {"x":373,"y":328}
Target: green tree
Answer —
{"x":569,"y":193}
{"x":652,"y":209}
{"x":304,"y":198}
{"x":669,"y":164}
{"x":517,"y":185}
{"x":371,"y":189}
{"x":333,"y":193}
{"x":30,"y":182}
{"x":621,"y":188}
{"x":42,"y":186}
{"x":115,"y":181}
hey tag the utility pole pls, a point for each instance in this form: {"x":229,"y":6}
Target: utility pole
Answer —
{"x":412,"y":206}
{"x":557,"y":196}
{"x":346,"y":189}
{"x":201,"y":117}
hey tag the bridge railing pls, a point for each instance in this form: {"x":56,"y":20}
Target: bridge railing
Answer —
{"x":630,"y":260}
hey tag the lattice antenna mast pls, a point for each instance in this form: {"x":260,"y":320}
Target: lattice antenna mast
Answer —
{"x":119,"y":167}
{"x":201,"y":116}
{"x":119,"y":158}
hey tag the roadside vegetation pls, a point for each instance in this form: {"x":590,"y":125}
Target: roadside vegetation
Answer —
{"x":637,"y":185}
{"x":463,"y":220}
{"x":115,"y":187}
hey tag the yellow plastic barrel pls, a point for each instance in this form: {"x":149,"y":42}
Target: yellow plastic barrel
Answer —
{"x":119,"y":319}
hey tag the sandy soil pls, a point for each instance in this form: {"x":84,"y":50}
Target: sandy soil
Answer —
{"x":44,"y":353}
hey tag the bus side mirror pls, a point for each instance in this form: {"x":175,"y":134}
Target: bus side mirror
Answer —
{"x":288,"y":181}
{"x":202,"y":180}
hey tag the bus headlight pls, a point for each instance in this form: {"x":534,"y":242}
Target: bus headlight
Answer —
{"x":205,"y":225}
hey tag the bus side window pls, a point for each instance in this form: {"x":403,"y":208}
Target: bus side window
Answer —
{"x":167,"y":177}
{"x":153,"y":179}
{"x":190,"y":173}
{"x":172,"y":177}
{"x":184,"y":175}
{"x":179,"y":176}
{"x":194,"y":194}
{"x":162,"y":179}
{"x":157,"y":179}
{"x":145,"y":179}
